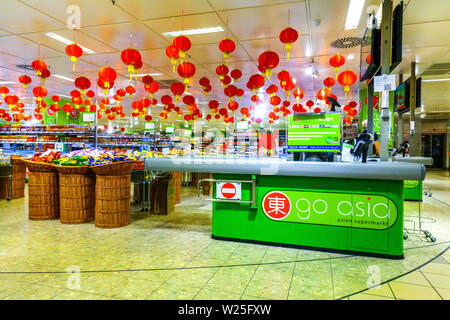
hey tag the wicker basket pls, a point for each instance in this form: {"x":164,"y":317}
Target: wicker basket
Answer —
{"x":113,"y":194}
{"x":43,"y":195}
{"x":39,"y":166}
{"x":76,"y":194}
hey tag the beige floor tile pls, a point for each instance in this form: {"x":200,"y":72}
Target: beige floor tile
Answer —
{"x":364,"y":296}
{"x":192,"y":277}
{"x":268,"y":289}
{"x":170,"y":291}
{"x":79,"y":295}
{"x":438,"y":280}
{"x":225,"y":283}
{"x":34,"y":292}
{"x":132,"y":289}
{"x":205,"y":294}
{"x":444,"y":293}
{"x":413,"y":292}
{"x":381,"y":290}
{"x":415,"y":277}
{"x":438,"y":268}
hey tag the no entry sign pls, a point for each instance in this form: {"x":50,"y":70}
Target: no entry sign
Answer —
{"x":228,"y":190}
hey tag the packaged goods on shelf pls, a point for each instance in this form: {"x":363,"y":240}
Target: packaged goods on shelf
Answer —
{"x":47,"y":156}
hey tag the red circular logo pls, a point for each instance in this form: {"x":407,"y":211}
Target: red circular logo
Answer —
{"x":74,"y":113}
{"x":228,"y":190}
{"x":276,"y":205}
{"x":50,"y":111}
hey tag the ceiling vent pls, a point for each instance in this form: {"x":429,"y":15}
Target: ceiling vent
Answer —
{"x":25,"y":67}
{"x":437,"y":69}
{"x":165,"y":84}
{"x":346,"y":42}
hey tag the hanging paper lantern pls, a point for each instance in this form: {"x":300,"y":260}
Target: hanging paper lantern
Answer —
{"x":257,"y":81}
{"x":131,"y":57}
{"x":245,"y":112}
{"x":227,"y":46}
{"x":108,"y":75}
{"x":152,"y":88}
{"x":40,"y":92}
{"x":236,"y":74}
{"x":55,"y":107}
{"x":283,"y":76}
{"x":82,"y":83}
{"x":288,"y":86}
{"x":55,"y":98}
{"x":369,"y":59}
{"x":288,"y":36}
{"x":213,"y":105}
{"x":298,"y":94}
{"x":272,"y":89}
{"x":336,"y":62}
{"x":204,"y":81}
{"x":226,"y":80}
{"x":207,"y":89}
{"x":230,"y":91}
{"x":4,"y":91}
{"x":130,"y":90}
{"x":352,"y":104}
{"x":38,"y":66}
{"x":309,"y":103}
{"x":329,"y":82}
{"x":173,"y":54}
{"x":222,"y":71}
{"x":74,"y":51}
{"x":346,"y":79}
{"x":233,"y":106}
{"x":269,"y":60}
{"x":275,"y":101}
{"x":188,"y":100}
{"x":177,"y":89}
{"x":317,"y":110}
{"x":44,"y":75}
{"x":67,"y":108}
{"x":323,"y":93}
{"x":183,"y":44}
{"x":11,"y":100}
{"x":186,"y":70}
{"x":25,"y":81}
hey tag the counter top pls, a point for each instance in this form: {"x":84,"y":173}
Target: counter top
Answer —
{"x":350,"y":170}
{"x":428,"y":161}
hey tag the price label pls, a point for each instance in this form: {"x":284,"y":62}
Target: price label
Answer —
{"x":385,"y":82}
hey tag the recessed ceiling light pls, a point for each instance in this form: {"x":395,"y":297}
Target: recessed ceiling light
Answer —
{"x":350,"y":57}
{"x":149,"y":74}
{"x":63,"y":95}
{"x":309,"y":71}
{"x":193,"y":31}
{"x":7,"y":82}
{"x":62,"y":77}
{"x":67,"y":41}
{"x":354,"y":11}
{"x":434,"y":80}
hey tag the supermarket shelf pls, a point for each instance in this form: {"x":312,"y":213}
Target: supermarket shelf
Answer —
{"x":123,"y":145}
{"x":50,"y":133}
{"x":44,"y":142}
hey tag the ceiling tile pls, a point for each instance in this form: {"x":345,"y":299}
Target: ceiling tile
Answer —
{"x":78,"y":37}
{"x":258,"y":46}
{"x":261,"y":22}
{"x":155,"y":57}
{"x":35,"y":20}
{"x":89,"y":11}
{"x":419,"y":11}
{"x":425,"y":35}
{"x":118,"y":36}
{"x":26,"y":49}
{"x":236,"y":4}
{"x":154,"y":9}
{"x":190,"y":22}
{"x":211,"y":54}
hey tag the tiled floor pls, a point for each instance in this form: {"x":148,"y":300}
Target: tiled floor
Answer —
{"x":174,"y":257}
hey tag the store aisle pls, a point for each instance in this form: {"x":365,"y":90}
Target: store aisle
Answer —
{"x":174,"y":257}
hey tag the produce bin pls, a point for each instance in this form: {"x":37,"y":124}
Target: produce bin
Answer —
{"x":113,"y":194}
{"x":76,"y":194}
{"x":43,"y":191}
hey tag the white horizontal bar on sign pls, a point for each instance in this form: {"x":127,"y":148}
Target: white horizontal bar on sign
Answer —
{"x":299,"y":134}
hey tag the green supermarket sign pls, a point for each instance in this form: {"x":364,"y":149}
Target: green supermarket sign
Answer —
{"x":332,"y":209}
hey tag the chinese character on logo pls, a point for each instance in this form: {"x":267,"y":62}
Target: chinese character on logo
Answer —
{"x":276,"y":205}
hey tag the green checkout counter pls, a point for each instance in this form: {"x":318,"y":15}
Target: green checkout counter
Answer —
{"x":341,"y":207}
{"x":413,"y":189}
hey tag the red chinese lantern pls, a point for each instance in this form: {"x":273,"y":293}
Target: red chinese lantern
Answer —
{"x":240,"y":93}
{"x":56,"y":107}
{"x":44,"y":75}
{"x":329,"y":82}
{"x":55,"y":98}
{"x":230,"y":91}
{"x":108,"y":75}
{"x":130,"y":90}
{"x":245,"y":112}
{"x":336,"y":62}
{"x":369,"y":59}
{"x":186,"y":70}
{"x":222,"y":71}
{"x":236,"y":74}
{"x":148,"y":118}
{"x":173,"y":54}
{"x":183,"y":44}
{"x":82,"y":83}
{"x":269,"y":60}
{"x":346,"y":79}
{"x":289,"y":85}
{"x":38,"y":66}
{"x":152,"y":88}
{"x":177,"y":89}
{"x":288,"y":36}
{"x":187,"y":117}
{"x":204,"y":81}
{"x":4,"y":91}
{"x":189,"y":100}
{"x":309,"y":103}
{"x":40,"y":92}
{"x":227,"y":46}
{"x":275,"y":101}
{"x":131,"y":57}
{"x":25,"y":81}
{"x":298,"y":94}
{"x":213,"y":105}
{"x":272,"y":89}
{"x":317,"y":110}
{"x":323,"y":93}
{"x":67,"y":108}
{"x":257,"y":81}
{"x":74,"y":51}
{"x":233,"y":106}
{"x":11,"y":100}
